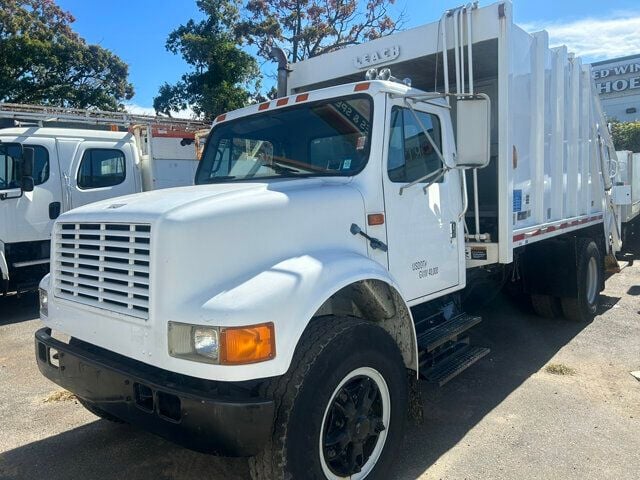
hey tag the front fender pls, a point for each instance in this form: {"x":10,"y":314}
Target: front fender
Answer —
{"x":287,"y":294}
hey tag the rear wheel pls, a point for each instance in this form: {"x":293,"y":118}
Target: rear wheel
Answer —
{"x":584,"y":306}
{"x":546,"y":306}
{"x":341,"y":408}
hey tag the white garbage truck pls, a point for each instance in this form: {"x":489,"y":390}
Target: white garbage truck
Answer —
{"x":285,"y":306}
{"x":73,"y":164}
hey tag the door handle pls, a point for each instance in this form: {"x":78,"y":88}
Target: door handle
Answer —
{"x":54,"y":210}
{"x":453,"y":230}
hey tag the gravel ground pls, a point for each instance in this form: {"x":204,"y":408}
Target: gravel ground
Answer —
{"x":506,"y":417}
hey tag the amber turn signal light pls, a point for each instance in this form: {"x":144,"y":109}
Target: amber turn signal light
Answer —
{"x":241,"y":345}
{"x":375,"y":219}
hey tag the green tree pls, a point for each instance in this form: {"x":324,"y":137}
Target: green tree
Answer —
{"x":222,"y":75}
{"x":626,"y":135}
{"x":43,"y":61}
{"x":307,"y":28}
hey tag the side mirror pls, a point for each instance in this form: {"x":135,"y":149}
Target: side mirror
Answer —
{"x":473,"y":131}
{"x":10,"y":165}
{"x":27,"y":184}
{"x":26,"y":181}
{"x":28,"y":162}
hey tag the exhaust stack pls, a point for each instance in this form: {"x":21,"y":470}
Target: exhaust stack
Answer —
{"x":277,"y":54}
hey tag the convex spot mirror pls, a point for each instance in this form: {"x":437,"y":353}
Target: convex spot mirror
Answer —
{"x":473,"y":131}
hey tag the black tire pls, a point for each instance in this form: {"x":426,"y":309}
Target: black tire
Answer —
{"x":582,"y":308}
{"x":97,"y":411}
{"x":546,"y":306}
{"x":331,"y":349}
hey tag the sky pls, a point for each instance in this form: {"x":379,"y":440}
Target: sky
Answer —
{"x":137,"y":31}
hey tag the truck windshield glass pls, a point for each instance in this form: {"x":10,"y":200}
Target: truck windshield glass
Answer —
{"x":329,"y":137}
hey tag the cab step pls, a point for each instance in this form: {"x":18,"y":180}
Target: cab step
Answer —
{"x":454,"y":363}
{"x":448,"y":330}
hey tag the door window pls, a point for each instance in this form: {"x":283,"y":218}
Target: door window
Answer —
{"x":40,"y":164}
{"x":411,"y":155}
{"x":101,"y":167}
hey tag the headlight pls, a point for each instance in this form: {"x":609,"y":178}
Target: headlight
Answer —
{"x":44,"y":302}
{"x":227,"y":346}
{"x":206,"y":343}
{"x":194,"y":342}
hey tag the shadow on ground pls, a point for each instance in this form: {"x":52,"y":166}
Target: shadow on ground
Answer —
{"x":521,"y":344}
{"x":14,"y":308}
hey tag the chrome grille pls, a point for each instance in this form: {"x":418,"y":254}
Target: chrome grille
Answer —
{"x":103,"y":265}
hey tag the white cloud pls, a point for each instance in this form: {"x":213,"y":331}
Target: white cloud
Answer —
{"x":609,"y":36}
{"x":141,"y":110}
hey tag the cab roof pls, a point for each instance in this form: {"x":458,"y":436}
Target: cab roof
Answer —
{"x":46,"y":132}
{"x":370,"y":87}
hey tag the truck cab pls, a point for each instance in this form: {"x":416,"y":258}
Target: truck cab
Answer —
{"x":71,"y":168}
{"x":74,"y":167}
{"x":295,"y":203}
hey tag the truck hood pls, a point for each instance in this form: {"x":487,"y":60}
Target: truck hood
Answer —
{"x":149,"y":207}
{"x":209,"y":239}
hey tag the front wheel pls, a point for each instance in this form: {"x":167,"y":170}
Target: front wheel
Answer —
{"x":341,"y":408}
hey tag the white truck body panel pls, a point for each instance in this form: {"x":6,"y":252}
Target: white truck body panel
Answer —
{"x":627,"y":174}
{"x":174,"y":164}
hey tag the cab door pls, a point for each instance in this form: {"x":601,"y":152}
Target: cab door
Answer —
{"x":423,"y":227}
{"x":102,"y":170}
{"x":29,"y":217}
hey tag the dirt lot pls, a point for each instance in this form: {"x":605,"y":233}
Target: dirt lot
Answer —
{"x":506,"y":417}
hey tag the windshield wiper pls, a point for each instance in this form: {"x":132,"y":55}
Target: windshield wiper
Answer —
{"x":280,"y":169}
{"x":217,"y":179}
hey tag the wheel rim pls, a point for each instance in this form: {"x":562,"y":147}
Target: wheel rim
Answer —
{"x":355,"y":425}
{"x":592,"y":280}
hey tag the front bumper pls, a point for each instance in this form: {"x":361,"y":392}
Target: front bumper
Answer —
{"x":221,"y":418}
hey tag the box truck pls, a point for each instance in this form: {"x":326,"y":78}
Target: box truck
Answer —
{"x":626,"y":175}
{"x":74,"y":164}
{"x":285,"y":306}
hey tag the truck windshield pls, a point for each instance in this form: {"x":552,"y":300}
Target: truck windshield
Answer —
{"x":328,"y":137}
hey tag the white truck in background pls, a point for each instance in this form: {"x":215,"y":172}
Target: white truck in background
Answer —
{"x":627,"y":177}
{"x":284,"y":306}
{"x":74,"y":164}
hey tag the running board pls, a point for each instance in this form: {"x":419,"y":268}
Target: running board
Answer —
{"x":447,"y":331}
{"x":453,"y":364}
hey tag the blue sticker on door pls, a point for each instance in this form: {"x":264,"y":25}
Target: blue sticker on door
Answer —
{"x":517,"y":200}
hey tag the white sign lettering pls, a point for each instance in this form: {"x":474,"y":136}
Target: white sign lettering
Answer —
{"x":376,"y":57}
{"x":620,"y":85}
{"x":617,"y":70}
